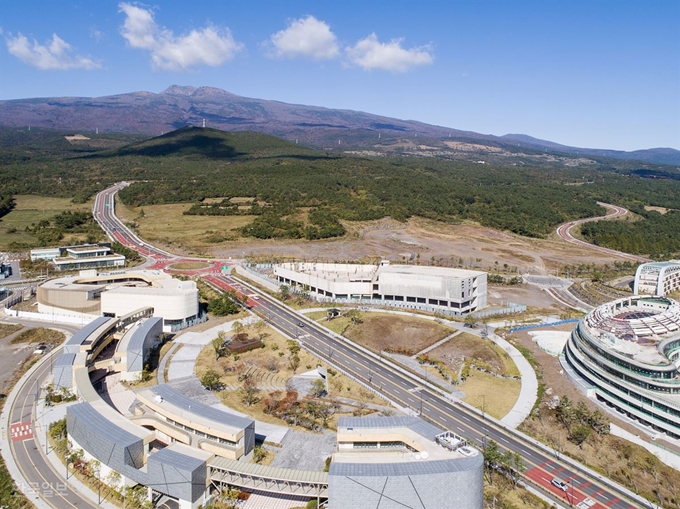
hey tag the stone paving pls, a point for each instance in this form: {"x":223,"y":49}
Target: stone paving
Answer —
{"x":305,"y":451}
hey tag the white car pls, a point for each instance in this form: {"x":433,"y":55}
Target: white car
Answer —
{"x":559,"y":484}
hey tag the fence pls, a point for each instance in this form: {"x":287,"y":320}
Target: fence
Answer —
{"x":541,"y":325}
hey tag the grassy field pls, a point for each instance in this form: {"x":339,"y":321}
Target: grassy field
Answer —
{"x":31,"y":209}
{"x":167,"y":224}
{"x":496,"y":396}
{"x":401,"y":334}
{"x":272,"y":362}
{"x":40,"y":335}
{"x":188,"y":266}
{"x":7,"y":329}
{"x":471,"y":347}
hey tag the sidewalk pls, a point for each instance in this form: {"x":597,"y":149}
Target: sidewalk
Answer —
{"x":529,"y":383}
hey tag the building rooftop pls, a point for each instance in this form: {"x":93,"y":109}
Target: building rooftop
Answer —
{"x":421,"y":444}
{"x":180,"y":405}
{"x":72,"y":345}
{"x":635,"y":326}
{"x":101,"y":417}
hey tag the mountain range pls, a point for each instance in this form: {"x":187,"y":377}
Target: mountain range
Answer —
{"x":330,"y":129}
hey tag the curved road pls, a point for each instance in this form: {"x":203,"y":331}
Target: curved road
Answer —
{"x":29,"y":455}
{"x":564,"y":231}
{"x":404,"y":389}
{"x":378,"y":373}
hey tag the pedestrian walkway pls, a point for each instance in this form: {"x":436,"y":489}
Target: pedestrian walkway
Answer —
{"x":438,"y":343}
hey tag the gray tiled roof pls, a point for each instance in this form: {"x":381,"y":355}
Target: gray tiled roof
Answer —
{"x":201,"y":409}
{"x":424,"y":429}
{"x":72,"y":345}
{"x":86,"y":413}
{"x":65,"y":359}
{"x":176,"y":459}
{"x":415,"y":467}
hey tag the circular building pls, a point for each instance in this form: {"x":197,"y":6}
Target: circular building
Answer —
{"x":628,"y":350}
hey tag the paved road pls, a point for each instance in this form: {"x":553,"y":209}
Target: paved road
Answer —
{"x":380,"y":375}
{"x":30,"y":459}
{"x":564,"y":232}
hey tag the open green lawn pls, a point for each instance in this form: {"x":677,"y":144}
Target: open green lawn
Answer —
{"x":30,"y":209}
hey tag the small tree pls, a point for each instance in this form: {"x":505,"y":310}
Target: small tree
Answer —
{"x":470,"y":320}
{"x":218,"y":346}
{"x":249,"y":391}
{"x":259,"y":327}
{"x":294,"y":362}
{"x":284,"y":293}
{"x":238,"y":327}
{"x":259,"y":454}
{"x":211,"y":380}
{"x":318,"y":387}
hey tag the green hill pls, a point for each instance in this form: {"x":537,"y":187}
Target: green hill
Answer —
{"x":297,"y":192}
{"x":210,"y":143}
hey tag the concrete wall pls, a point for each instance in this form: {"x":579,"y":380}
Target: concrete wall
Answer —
{"x":171,"y":305}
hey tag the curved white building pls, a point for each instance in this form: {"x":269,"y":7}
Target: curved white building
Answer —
{"x":629,"y":351}
{"x":452,"y":291}
{"x":657,"y":278}
{"x":120,"y":293}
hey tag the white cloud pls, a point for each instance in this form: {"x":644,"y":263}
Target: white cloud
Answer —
{"x":206,"y":46}
{"x":55,"y":54}
{"x":306,"y":38}
{"x":369,"y":54}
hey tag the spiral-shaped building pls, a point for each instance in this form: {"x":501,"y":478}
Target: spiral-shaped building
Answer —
{"x":628,"y":350}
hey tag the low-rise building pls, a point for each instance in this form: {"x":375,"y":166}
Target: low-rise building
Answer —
{"x":657,"y":278}
{"x":118,"y":293}
{"x":396,"y":462}
{"x":85,"y":256}
{"x":447,"y":290}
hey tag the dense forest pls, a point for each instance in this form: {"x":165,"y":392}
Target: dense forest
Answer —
{"x":272,"y":180}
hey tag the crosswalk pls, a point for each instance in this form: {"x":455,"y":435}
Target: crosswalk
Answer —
{"x":21,"y":431}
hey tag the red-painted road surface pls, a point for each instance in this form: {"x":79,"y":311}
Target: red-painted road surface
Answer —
{"x":580,"y":493}
{"x":240,"y":290}
{"x":21,"y":431}
{"x":542,"y":469}
{"x":564,"y":232}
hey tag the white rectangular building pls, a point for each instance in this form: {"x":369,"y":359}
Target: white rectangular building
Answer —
{"x":454,"y":291}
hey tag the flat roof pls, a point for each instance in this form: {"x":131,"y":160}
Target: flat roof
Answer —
{"x":412,"y":431}
{"x":419,"y":426}
{"x":424,"y":270}
{"x":200,"y":412}
{"x":280,"y":473}
{"x":633,"y":329}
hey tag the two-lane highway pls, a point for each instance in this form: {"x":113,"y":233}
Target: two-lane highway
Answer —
{"x":564,"y":231}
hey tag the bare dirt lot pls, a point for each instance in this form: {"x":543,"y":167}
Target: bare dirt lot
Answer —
{"x":400,"y":334}
{"x":467,"y":244}
{"x":468,"y":346}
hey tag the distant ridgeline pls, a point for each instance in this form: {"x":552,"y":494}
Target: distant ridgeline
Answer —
{"x":292,"y":191}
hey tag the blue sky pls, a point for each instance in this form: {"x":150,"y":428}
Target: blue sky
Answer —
{"x":601,"y":74}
